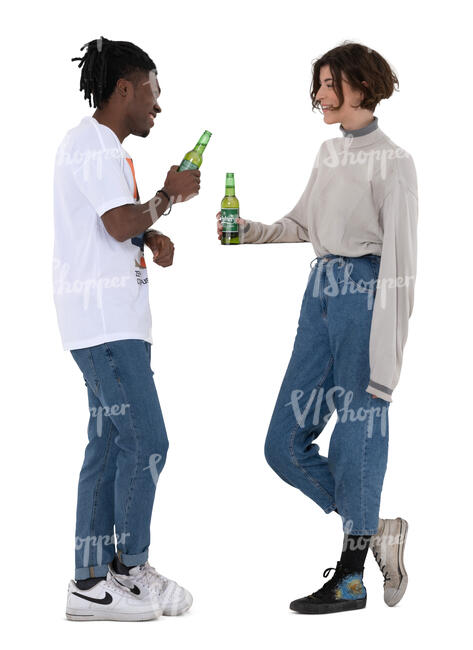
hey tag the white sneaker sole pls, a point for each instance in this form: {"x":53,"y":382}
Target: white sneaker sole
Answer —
{"x":77,"y":615}
{"x":178,"y":611}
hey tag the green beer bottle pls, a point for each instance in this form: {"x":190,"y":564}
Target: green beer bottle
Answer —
{"x":230,"y":212}
{"x":193,"y":159}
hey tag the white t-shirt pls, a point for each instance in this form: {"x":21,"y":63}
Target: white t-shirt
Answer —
{"x":100,"y":284}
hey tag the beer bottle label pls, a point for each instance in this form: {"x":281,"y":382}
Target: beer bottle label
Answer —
{"x":229,"y":216}
{"x":187,"y":164}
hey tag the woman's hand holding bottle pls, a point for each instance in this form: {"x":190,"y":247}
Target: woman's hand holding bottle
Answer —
{"x":239,"y":220}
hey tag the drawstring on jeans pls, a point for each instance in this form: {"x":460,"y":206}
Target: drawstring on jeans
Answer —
{"x":329,"y":256}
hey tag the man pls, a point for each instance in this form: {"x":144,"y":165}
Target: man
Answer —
{"x":101,"y":297}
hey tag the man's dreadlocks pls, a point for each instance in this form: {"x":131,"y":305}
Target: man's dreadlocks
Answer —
{"x":107,"y":61}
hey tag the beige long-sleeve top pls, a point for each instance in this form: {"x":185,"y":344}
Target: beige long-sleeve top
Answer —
{"x":362,"y":198}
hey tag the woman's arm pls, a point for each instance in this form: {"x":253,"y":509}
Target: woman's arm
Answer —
{"x":293,"y":227}
{"x":395,"y":292}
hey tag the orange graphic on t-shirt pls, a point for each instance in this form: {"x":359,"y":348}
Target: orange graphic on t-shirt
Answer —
{"x":141,"y":261}
{"x":135,"y":187}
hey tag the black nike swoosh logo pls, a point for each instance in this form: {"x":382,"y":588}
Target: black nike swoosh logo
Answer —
{"x":106,"y":600}
{"x":134,"y":589}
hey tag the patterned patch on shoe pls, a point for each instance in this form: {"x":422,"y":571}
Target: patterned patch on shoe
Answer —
{"x":351,"y":587}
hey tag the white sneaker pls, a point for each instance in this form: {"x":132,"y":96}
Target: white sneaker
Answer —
{"x":108,"y":601}
{"x":388,"y":549}
{"x":144,"y":581}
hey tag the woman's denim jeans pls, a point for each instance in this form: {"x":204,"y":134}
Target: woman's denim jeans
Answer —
{"x":329,"y":370}
{"x":126,"y":452}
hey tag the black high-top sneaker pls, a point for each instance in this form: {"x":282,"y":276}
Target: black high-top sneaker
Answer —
{"x":344,"y":591}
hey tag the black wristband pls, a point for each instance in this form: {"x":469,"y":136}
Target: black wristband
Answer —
{"x":168,"y":198}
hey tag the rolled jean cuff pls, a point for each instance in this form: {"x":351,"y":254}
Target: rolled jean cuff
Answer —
{"x":84,"y":572}
{"x":361,"y":531}
{"x":133,"y":560}
{"x":330,"y":508}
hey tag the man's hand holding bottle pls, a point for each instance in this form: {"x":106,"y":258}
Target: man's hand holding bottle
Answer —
{"x":182,"y":186}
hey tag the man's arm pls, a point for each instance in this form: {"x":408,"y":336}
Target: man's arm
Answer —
{"x":127,"y":221}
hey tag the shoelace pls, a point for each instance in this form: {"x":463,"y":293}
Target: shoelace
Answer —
{"x":382,"y":567}
{"x":328,"y":585}
{"x":327,"y":571}
{"x":153,"y":577}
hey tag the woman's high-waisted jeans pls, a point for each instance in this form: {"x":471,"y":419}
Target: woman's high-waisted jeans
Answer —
{"x":329,"y":370}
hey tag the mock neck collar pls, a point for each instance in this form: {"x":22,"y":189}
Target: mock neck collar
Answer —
{"x":355,"y":133}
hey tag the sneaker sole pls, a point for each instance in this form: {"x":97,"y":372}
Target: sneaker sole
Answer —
{"x":180,"y":610}
{"x":110,"y":616}
{"x":330,"y":608}
{"x":396,"y":597}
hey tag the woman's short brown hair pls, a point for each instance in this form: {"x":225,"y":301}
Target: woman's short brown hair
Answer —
{"x":358,"y":63}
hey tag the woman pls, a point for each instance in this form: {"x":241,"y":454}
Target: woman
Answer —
{"x":359,"y":211}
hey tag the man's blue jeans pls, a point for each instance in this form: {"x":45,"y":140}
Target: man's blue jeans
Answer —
{"x":329,"y":370}
{"x":126,"y":452}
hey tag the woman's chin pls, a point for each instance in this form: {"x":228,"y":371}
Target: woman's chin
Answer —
{"x":329,"y":119}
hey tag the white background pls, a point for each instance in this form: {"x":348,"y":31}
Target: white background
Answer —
{"x":224,"y":319}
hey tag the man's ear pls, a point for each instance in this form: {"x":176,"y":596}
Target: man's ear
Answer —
{"x":123,"y":87}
